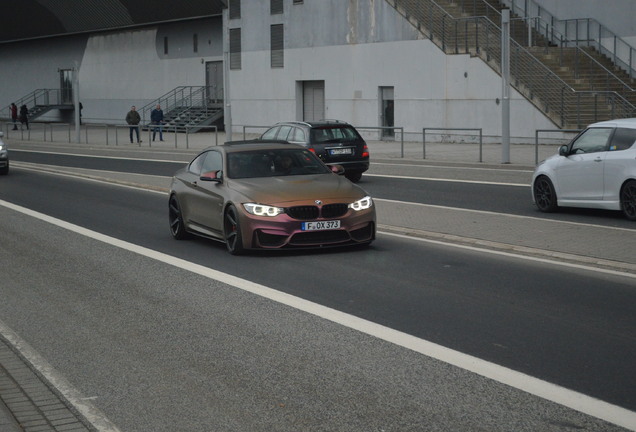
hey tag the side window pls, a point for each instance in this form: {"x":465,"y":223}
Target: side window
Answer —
{"x":271,"y":134}
{"x":298,"y":135}
{"x":623,"y":139}
{"x":592,"y":141}
{"x":197,"y":164}
{"x":213,"y":162}
{"x":284,"y":132}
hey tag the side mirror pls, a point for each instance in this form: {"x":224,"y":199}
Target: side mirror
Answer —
{"x":337,"y":169}
{"x":212,"y":176}
{"x":564,"y":150}
{"x":1,"y":134}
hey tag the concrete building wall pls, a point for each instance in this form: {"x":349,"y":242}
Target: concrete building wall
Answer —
{"x":431,"y":89}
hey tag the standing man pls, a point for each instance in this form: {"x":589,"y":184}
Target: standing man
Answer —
{"x":133,"y":118}
{"x":156,"y":118}
{"x":24,"y":117}
{"x":14,"y":116}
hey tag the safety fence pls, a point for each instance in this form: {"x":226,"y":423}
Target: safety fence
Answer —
{"x":108,"y":133}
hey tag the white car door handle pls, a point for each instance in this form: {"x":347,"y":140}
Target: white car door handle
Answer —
{"x":598,"y":160}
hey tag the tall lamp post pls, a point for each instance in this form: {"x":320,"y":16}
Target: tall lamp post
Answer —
{"x":505,"y":86}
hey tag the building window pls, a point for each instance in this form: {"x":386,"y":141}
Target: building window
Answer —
{"x":235,"y":48}
{"x":165,"y":45}
{"x":235,"y":9}
{"x":277,"y":45}
{"x":195,"y":43}
{"x":276,"y":7}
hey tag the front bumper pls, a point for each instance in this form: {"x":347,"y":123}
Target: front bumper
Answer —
{"x":282,"y":231}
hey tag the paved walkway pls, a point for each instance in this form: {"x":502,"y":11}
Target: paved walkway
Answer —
{"x":577,"y":244}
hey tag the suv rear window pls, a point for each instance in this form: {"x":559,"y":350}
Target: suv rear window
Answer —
{"x":325,"y":134}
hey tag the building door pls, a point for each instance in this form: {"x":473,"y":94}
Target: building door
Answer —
{"x":313,"y":100}
{"x":214,"y":82}
{"x":387,"y":111}
{"x":66,"y":86}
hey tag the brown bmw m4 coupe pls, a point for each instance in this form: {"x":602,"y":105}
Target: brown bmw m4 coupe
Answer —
{"x":268,"y":195}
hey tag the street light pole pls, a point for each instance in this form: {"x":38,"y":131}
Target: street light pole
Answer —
{"x":505,"y":86}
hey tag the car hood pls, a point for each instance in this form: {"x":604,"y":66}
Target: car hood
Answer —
{"x":282,"y":191}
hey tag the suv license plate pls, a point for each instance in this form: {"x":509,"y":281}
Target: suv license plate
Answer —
{"x":321,"y":225}
{"x":341,"y":151}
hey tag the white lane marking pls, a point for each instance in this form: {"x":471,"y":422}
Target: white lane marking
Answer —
{"x":451,"y":167}
{"x":486,"y":212}
{"x":448,"y":180}
{"x":514,"y":255}
{"x":97,"y":156}
{"x":543,"y":389}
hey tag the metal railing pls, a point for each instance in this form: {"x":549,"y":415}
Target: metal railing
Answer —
{"x":452,"y":129}
{"x":586,"y":32}
{"x":35,"y":98}
{"x":98,"y":132}
{"x":180,"y":100}
{"x":564,"y":103}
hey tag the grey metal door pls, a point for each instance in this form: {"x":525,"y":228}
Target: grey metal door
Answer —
{"x":214,"y":81}
{"x":313,"y":100}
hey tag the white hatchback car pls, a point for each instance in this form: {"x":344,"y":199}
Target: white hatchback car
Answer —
{"x":596,"y":170}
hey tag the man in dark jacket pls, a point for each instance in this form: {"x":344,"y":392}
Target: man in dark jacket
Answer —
{"x":133,"y":118}
{"x":24,"y":116}
{"x":156,"y":118}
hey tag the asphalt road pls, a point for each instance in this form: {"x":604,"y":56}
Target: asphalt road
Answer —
{"x":542,"y":320}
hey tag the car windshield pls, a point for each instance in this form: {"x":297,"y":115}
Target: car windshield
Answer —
{"x":328,"y":134}
{"x":273,"y":163}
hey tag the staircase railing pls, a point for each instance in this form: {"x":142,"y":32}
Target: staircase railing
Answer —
{"x":586,"y":32}
{"x":36,"y":97}
{"x":544,"y":88}
{"x":584,"y":64}
{"x":181,"y":98}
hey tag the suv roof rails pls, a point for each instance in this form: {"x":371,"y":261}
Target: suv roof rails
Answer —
{"x":334,"y":120}
{"x":255,"y":141}
{"x":295,"y":122}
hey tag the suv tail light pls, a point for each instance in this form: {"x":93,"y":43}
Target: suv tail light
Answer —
{"x":365,"y":151}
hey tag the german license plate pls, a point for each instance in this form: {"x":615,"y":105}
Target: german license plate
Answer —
{"x":320,"y":225}
{"x":341,"y":151}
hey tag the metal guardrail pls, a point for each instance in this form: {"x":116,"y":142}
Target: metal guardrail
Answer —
{"x":536,"y":139}
{"x":452,"y":129}
{"x":479,"y":35}
{"x":104,"y":131}
{"x":37,"y":97}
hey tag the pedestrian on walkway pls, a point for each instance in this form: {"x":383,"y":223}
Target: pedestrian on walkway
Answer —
{"x":14,"y":116}
{"x":156,"y":118}
{"x":24,"y":117}
{"x":133,"y":118}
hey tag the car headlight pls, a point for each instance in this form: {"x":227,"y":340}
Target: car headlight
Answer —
{"x":262,"y":210}
{"x":361,"y":204}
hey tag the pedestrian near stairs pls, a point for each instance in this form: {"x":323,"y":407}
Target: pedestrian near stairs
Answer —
{"x":24,"y":116}
{"x":133,"y":118}
{"x":156,"y":118}
{"x":14,"y":115}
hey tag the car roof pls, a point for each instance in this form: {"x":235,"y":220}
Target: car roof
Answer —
{"x":629,"y":123}
{"x":315,"y":123}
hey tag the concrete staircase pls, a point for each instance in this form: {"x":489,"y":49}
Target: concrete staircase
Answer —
{"x":572,"y":86}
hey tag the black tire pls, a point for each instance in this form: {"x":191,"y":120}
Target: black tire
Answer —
{"x":628,"y":200}
{"x":354,"y":177}
{"x":544,"y":195}
{"x":232,"y":231}
{"x":5,"y":170}
{"x":177,"y":226}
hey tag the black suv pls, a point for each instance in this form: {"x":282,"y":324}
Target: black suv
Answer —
{"x":335,"y":142}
